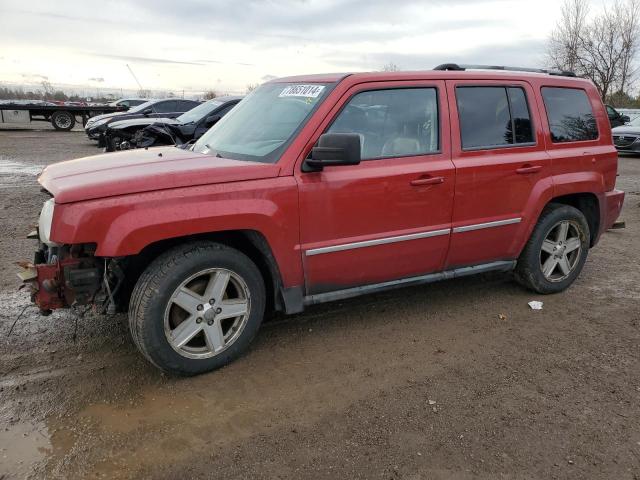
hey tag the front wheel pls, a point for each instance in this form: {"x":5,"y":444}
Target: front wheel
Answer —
{"x":112,"y":143}
{"x":197,"y":307}
{"x":556,"y":252}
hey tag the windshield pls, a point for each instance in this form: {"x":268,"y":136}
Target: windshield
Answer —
{"x":199,"y":112}
{"x":141,"y":107}
{"x":260,"y":126}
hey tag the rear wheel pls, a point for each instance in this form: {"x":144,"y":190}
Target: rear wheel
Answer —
{"x":556,"y":252}
{"x":63,"y":121}
{"x":196,"y":308}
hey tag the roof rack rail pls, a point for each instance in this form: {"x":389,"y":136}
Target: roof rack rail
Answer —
{"x":462,"y":67}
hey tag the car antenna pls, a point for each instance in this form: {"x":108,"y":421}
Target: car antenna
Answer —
{"x":164,"y":126}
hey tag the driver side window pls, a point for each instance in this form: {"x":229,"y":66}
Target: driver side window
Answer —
{"x":392,"y":123}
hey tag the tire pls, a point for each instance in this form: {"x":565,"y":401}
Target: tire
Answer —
{"x":63,"y":121}
{"x":112,"y":143}
{"x":548,"y":263}
{"x":163,"y":311}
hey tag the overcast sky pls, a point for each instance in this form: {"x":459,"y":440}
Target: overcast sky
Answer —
{"x":226,"y":44}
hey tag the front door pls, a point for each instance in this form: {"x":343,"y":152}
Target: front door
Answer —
{"x":388,"y":217}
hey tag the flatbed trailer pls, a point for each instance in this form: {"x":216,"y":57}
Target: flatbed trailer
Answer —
{"x":62,"y":117}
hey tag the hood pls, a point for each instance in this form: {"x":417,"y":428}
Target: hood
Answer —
{"x":134,"y":171}
{"x":626,"y":129}
{"x":105,"y":115}
{"x":139,"y":122}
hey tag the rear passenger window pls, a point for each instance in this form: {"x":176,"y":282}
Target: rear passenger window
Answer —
{"x":493,"y":117}
{"x":392,"y":123}
{"x":570,"y":115}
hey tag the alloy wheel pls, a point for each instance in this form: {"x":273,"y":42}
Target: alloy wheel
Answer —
{"x":207,"y":313}
{"x":561,"y":250}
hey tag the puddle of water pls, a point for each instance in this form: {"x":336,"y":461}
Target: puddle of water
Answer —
{"x":22,"y":447}
{"x":11,"y":167}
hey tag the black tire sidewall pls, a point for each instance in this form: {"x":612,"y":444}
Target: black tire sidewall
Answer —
{"x":110,"y":143}
{"x":57,"y":115}
{"x":152,"y":339}
{"x":529,"y":269}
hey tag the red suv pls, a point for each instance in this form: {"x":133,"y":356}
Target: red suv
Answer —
{"x":323,"y":187}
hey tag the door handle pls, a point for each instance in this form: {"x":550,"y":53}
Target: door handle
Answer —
{"x":529,"y":169}
{"x":427,"y":181}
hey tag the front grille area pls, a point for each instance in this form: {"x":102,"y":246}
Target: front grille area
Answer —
{"x":624,"y":140}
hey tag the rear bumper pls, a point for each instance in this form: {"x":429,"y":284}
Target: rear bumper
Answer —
{"x":610,"y":208}
{"x":613,"y":201}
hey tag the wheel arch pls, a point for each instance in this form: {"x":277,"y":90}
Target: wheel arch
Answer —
{"x":250,"y":242}
{"x":589,"y":205}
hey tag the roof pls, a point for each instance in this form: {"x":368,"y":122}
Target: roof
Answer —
{"x":429,"y":75}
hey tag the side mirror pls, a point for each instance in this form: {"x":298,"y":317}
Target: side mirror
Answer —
{"x":147,"y":111}
{"x":212,"y":120}
{"x":334,"y":149}
{"x":625,"y":118}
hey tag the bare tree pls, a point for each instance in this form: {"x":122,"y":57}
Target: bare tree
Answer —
{"x":48,"y":89}
{"x":390,"y":67}
{"x":629,"y":22}
{"x":600,"y":52}
{"x":251,"y":87}
{"x":564,"y":43}
{"x":209,"y":95}
{"x":602,"y":48}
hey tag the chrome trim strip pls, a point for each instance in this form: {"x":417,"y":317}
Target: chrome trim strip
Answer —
{"x":377,"y":241}
{"x":501,"y":265}
{"x":480,"y":226}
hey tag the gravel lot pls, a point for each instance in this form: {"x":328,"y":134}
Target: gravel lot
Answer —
{"x":422,"y":383}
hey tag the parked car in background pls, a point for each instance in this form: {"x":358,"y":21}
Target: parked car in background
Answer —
{"x":147,"y":132}
{"x":170,"y":107}
{"x":632,"y":113}
{"x":324,"y":187}
{"x":129,"y":102}
{"x":616,"y":118}
{"x":626,"y":138}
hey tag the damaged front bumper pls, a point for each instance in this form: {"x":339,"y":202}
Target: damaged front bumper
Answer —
{"x":62,"y":276}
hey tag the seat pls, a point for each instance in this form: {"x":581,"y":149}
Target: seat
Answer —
{"x":401,"y":146}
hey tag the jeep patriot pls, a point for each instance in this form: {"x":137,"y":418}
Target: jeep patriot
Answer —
{"x":323,"y":187}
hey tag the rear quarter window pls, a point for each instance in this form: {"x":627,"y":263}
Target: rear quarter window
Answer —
{"x":570,"y":115}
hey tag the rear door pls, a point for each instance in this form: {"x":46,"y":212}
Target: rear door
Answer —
{"x":499,"y":156}
{"x":388,"y":217}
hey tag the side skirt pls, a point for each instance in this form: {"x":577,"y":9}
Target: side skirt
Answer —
{"x":501,"y":266}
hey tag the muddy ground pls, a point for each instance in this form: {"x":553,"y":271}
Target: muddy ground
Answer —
{"x":421,"y":383}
